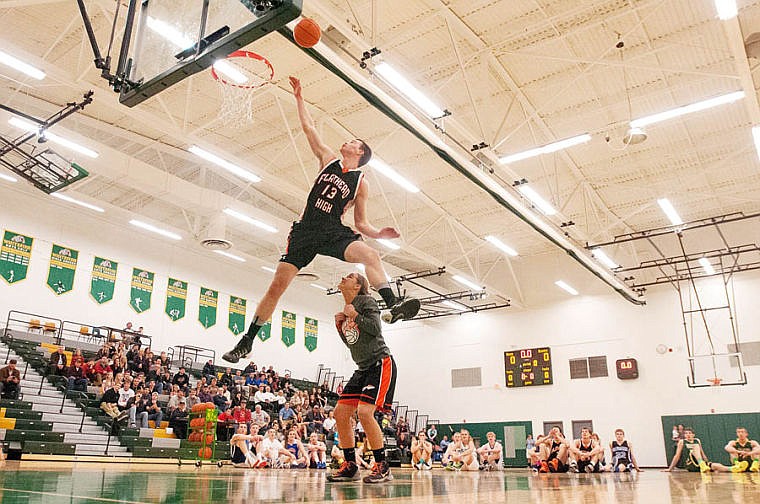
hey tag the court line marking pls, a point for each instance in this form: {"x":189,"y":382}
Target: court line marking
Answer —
{"x":70,"y":496}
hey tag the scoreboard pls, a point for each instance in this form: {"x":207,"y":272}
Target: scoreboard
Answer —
{"x":531,"y":366}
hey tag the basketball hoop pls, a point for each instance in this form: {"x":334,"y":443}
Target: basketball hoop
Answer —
{"x":715,"y":381}
{"x":238,"y":77}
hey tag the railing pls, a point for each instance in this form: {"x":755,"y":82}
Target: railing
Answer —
{"x":27,"y":322}
{"x":188,"y":356}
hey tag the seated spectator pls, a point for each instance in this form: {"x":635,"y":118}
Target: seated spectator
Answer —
{"x":219,"y":400}
{"x":108,"y":402}
{"x":317,"y":452}
{"x":490,"y":454}
{"x":181,"y":379}
{"x":58,"y":362}
{"x":236,"y":398}
{"x":126,"y":393}
{"x":209,"y":370}
{"x":243,"y":444}
{"x":164,"y":360}
{"x":174,"y":398}
{"x":422,"y":452}
{"x":205,"y":394}
{"x":10,"y":377}
{"x":227,"y":378}
{"x":284,"y":382}
{"x":329,"y":424}
{"x":241,"y":413}
{"x":107,"y":383}
{"x":164,"y":384}
{"x":402,"y":434}
{"x":250,"y":387}
{"x":273,"y":452}
{"x":77,"y":357}
{"x":432,"y":434}
{"x":250,"y":368}
{"x":287,"y":417}
{"x":77,"y":377}
{"x":260,"y":417}
{"x":192,"y":399}
{"x":178,"y":420}
{"x":100,"y":369}
{"x":259,"y":397}
{"x":238,"y":381}
{"x":442,"y":447}
{"x":149,"y":409}
{"x":315,"y":420}
{"x":296,"y":449}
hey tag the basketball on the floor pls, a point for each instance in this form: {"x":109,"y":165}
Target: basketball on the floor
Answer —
{"x":204,"y":453}
{"x":307,"y":33}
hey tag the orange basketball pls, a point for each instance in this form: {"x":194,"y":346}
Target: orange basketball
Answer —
{"x":209,"y":439}
{"x":204,"y":453}
{"x":307,"y":33}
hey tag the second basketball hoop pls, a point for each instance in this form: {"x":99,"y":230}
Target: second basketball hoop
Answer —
{"x":239,"y":76}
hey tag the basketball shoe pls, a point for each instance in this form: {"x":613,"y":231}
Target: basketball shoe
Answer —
{"x":404,"y":309}
{"x":739,"y":467}
{"x":241,"y":350}
{"x":348,"y":471}
{"x":380,"y":473}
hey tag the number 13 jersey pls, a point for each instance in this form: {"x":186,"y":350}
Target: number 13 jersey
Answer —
{"x":331,"y":195}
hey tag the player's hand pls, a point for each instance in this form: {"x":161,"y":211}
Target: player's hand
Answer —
{"x":666,"y":470}
{"x":295,"y":83}
{"x":340,"y":317}
{"x":388,"y":233}
{"x":349,"y":311}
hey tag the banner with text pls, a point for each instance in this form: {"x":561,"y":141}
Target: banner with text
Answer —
{"x":14,"y":256}
{"x":310,"y":333}
{"x":236,"y":320}
{"x":103,"y":279}
{"x":207,"y":307}
{"x":63,"y":266}
{"x":141,"y":290}
{"x":265,"y":332}
{"x":176,"y":299}
{"x":288,"y":328}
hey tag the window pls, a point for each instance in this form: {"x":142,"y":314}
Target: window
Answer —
{"x":588,"y":367}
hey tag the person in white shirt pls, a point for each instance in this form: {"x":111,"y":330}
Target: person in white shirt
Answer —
{"x":260,"y":395}
{"x":469,"y":456}
{"x":491,"y":454}
{"x":260,"y":417}
{"x":329,"y":423}
{"x":127,"y":408}
{"x":453,"y":459}
{"x":317,"y":452}
{"x":273,"y":452}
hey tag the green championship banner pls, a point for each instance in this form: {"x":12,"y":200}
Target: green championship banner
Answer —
{"x":141,"y":290}
{"x":63,"y":265}
{"x":207,"y":307}
{"x":265,"y":332}
{"x":236,"y":320}
{"x":310,"y":333}
{"x":14,"y":256}
{"x":103,"y":279}
{"x":176,"y":298}
{"x":288,"y":328}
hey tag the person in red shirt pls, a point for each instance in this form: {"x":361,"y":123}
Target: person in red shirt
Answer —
{"x":241,"y":413}
{"x":100,"y":370}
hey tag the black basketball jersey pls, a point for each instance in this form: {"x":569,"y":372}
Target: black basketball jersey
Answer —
{"x":331,"y":195}
{"x":620,"y":452}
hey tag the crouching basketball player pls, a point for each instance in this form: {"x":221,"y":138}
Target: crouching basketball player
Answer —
{"x":371,"y":387}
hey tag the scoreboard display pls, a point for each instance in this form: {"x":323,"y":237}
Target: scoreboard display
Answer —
{"x":627,"y":369}
{"x":531,"y":366}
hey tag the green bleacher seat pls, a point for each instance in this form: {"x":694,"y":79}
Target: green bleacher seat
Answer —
{"x":26,"y":414}
{"x":30,"y":435}
{"x":15,"y":404}
{"x":43,"y":447}
{"x":37,"y":425}
{"x":147,"y":452}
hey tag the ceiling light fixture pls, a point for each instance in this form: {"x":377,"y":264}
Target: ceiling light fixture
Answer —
{"x":687,"y":109}
{"x":468,"y":283}
{"x":455,"y":305}
{"x":392,"y":174}
{"x":398,"y":81}
{"x":250,"y":220}
{"x":536,"y":199}
{"x":706,"y":266}
{"x":726,"y":9}
{"x":546,"y":149}
{"x":17,"y":64}
{"x":77,"y":202}
{"x":670,"y":211}
{"x":501,"y":245}
{"x":230,"y":256}
{"x":603,"y":258}
{"x":154,"y":229}
{"x":8,"y":178}
{"x":317,"y":286}
{"x":388,"y":244}
{"x":232,"y":168}
{"x":564,"y":286}
{"x":34,"y":128}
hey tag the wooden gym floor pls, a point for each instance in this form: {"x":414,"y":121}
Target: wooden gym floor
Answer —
{"x":52,"y":482}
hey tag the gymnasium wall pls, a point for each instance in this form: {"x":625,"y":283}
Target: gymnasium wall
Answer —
{"x":47,"y":221}
{"x":580,"y":327}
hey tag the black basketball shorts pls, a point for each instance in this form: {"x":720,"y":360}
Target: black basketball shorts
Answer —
{"x":372,"y":386}
{"x":305,"y":242}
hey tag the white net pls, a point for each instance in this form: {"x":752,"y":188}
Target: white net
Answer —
{"x":239,"y":78}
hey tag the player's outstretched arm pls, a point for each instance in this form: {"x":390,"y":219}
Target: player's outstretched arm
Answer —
{"x":360,"y":216}
{"x":322,"y":151}
{"x":676,"y":457}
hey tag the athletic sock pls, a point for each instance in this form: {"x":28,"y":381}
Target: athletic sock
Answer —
{"x":379,"y":454}
{"x":253,"y":329}
{"x":387,"y":294}
{"x":349,"y":454}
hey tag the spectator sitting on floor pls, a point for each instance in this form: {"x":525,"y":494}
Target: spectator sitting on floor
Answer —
{"x":209,"y":370}
{"x":243,"y":454}
{"x":260,"y":417}
{"x":10,"y":377}
{"x":108,"y":402}
{"x":178,"y":420}
{"x":58,"y":362}
{"x":77,"y":377}
{"x":317,"y":451}
{"x":181,"y":379}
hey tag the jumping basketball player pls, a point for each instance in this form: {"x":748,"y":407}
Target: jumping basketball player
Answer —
{"x":338,"y":186}
{"x":371,"y":387}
